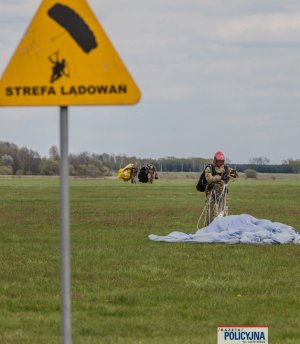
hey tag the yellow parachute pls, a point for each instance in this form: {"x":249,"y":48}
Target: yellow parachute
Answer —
{"x":126,"y":172}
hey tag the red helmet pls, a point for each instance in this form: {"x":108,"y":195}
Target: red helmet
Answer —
{"x":219,"y":159}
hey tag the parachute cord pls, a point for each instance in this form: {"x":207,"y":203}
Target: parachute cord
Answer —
{"x":220,"y":203}
{"x":206,"y":211}
{"x":200,"y":217}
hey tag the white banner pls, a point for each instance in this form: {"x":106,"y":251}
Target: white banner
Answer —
{"x":242,"y":334}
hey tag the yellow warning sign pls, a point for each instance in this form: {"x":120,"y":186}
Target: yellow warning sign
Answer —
{"x":65,"y":58}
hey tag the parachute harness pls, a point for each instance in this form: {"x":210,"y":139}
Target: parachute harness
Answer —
{"x":220,"y":204}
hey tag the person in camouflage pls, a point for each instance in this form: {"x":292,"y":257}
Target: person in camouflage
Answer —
{"x":217,"y":176}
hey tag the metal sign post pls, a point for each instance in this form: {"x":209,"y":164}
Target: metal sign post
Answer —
{"x":65,"y":228}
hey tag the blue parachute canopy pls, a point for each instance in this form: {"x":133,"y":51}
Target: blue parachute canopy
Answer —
{"x":234,"y":229}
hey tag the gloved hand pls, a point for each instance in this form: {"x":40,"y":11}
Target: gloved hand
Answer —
{"x":233,"y":174}
{"x":225,"y":177}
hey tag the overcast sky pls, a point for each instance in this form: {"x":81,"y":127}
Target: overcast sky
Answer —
{"x":214,"y":75}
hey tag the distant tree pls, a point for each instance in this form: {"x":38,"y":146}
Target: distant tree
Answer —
{"x":12,"y":150}
{"x":54,"y":153}
{"x":295,"y":165}
{"x":49,"y":167}
{"x":259,"y":161}
{"x":7,"y":160}
{"x":24,"y":159}
{"x":29,"y":160}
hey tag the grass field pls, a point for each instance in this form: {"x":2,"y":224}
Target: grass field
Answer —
{"x":127,"y":289}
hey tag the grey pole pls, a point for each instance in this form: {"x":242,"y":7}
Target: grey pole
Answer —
{"x":65,"y":229}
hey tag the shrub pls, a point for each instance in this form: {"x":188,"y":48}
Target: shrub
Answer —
{"x":6,"y":170}
{"x":49,"y":167}
{"x":250,"y":174}
{"x":72,"y":171}
{"x":88,"y":170}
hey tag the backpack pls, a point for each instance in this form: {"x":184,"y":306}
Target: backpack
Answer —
{"x":143,"y":175}
{"x":201,"y":185}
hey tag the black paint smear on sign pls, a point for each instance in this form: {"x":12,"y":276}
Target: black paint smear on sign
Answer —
{"x":75,"y":25}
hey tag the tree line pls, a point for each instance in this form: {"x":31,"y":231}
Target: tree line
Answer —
{"x":25,"y":161}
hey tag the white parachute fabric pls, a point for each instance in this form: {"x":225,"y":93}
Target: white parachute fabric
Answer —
{"x":234,"y":229}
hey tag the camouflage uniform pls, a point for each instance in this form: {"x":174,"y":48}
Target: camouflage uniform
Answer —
{"x":215,"y":201}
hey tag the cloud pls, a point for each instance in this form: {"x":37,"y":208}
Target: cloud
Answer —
{"x":274,"y":28}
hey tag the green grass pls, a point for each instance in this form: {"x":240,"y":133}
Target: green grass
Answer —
{"x":127,"y":289}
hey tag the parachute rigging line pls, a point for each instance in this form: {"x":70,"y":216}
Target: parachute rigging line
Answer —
{"x":75,"y":25}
